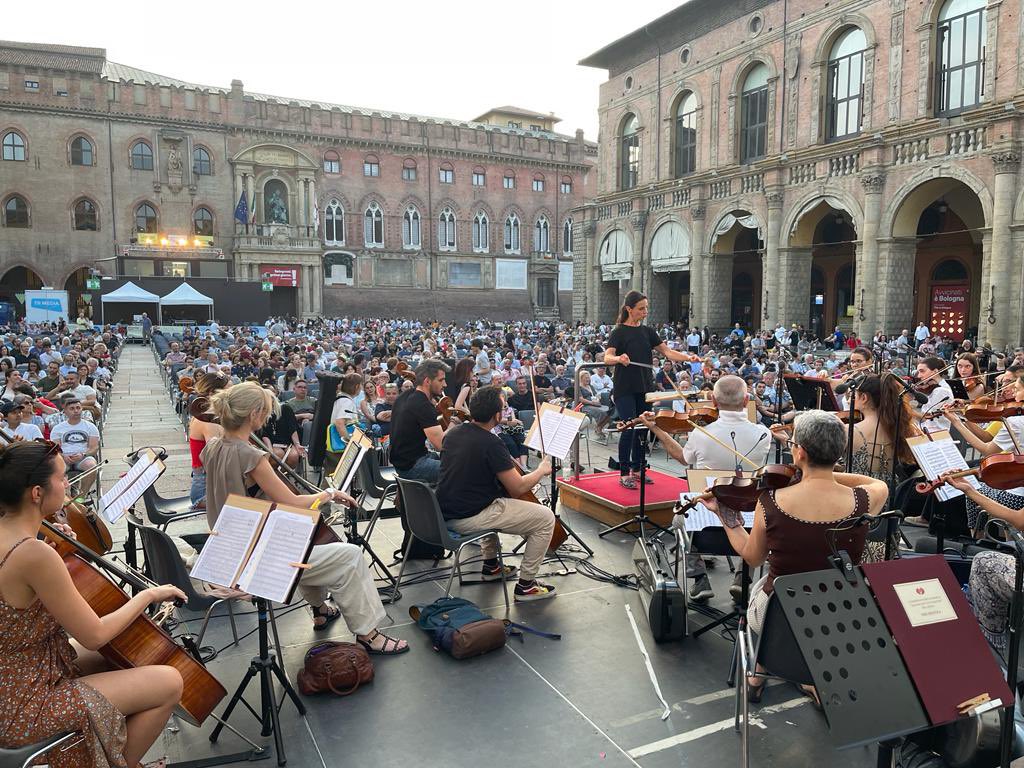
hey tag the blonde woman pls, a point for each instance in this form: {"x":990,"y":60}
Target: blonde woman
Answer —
{"x":338,"y":582}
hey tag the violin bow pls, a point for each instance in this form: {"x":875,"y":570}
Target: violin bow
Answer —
{"x":536,"y":410}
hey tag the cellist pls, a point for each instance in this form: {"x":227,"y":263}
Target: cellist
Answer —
{"x":48,"y":682}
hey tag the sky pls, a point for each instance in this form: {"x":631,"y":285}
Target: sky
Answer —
{"x":452,"y":59}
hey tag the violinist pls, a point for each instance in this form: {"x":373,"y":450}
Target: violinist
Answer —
{"x":885,"y":412}
{"x":48,"y":682}
{"x":929,"y":382}
{"x":632,"y":342}
{"x":791,"y":525}
{"x":732,"y":428}
{"x":480,"y":488}
{"x":969,"y":372}
{"x":414,"y":425}
{"x":338,"y":582}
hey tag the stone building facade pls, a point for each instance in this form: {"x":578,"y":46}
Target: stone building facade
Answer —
{"x":854,"y":163}
{"x":344,"y":210}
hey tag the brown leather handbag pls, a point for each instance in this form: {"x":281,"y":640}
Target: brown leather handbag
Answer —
{"x":336,"y":667}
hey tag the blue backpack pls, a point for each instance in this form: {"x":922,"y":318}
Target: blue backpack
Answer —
{"x":460,"y":628}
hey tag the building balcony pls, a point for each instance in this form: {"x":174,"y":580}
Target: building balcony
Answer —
{"x":276,"y":237}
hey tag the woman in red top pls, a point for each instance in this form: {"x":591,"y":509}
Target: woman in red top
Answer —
{"x":201,"y":431}
{"x":791,"y":525}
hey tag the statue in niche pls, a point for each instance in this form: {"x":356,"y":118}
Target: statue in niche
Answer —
{"x":174,"y":161}
{"x":278,"y":211}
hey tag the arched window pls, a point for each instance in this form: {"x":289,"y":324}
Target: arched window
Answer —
{"x":512,"y":234}
{"x":566,"y":185}
{"x":538,"y":182}
{"x":508,"y":181}
{"x":371,"y":166}
{"x":334,"y":223}
{"x":409,"y":169}
{"x":332,"y":162}
{"x":845,"y":84}
{"x":950,"y":270}
{"x":16,"y":212}
{"x":541,"y":235}
{"x":85,"y":216}
{"x":81,"y":151}
{"x":686,"y":135}
{"x":202,"y":222}
{"x":754,"y":115}
{"x":13,"y":146}
{"x":446,"y":173}
{"x":201,"y":163}
{"x":629,"y":153}
{"x":481,"y":233}
{"x":567,"y":237}
{"x":960,"y":75}
{"x":411,"y":228}
{"x":373,"y":226}
{"x":142,"y":156}
{"x":446,"y":230}
{"x":145,"y":219}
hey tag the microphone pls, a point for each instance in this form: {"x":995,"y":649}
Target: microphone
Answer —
{"x":992,"y":353}
{"x":920,"y":397}
{"x":853,"y":382}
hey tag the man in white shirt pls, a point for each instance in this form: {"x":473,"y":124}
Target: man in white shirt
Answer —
{"x":693,"y":341}
{"x":14,"y":413}
{"x":921,"y":333}
{"x":79,"y":441}
{"x":732,"y":428}
{"x":928,"y":370}
{"x":482,"y":366}
{"x":601,"y":385}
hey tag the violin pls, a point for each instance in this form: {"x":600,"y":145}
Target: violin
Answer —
{"x":1003,"y":471}
{"x":89,"y":527}
{"x":675,"y":423}
{"x":143,"y":642}
{"x":979,"y":414}
{"x":741,"y":493}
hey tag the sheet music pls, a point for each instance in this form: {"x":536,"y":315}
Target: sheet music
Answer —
{"x":133,"y":473}
{"x":285,"y":538}
{"x":938,"y":456}
{"x":560,"y":429}
{"x":356,"y":448}
{"x":221,"y":559}
{"x":120,"y":505}
{"x":700,"y":517}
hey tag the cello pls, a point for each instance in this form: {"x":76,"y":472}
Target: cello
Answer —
{"x":143,"y":642}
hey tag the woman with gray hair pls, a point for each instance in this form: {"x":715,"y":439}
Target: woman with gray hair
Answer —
{"x":791,"y":525}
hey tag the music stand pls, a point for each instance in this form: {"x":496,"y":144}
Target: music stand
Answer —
{"x":808,"y":392}
{"x":640,"y":518}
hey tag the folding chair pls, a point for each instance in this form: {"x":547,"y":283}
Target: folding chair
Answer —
{"x":425,"y":521}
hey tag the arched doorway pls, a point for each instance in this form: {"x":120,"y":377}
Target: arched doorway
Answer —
{"x":13,"y":285}
{"x":938,"y":236}
{"x":670,"y":254}
{"x":79,"y":296}
{"x":734,"y":277}
{"x":616,"y":260}
{"x":824,"y":239}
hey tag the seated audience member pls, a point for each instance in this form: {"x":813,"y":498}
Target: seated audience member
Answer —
{"x":79,"y":441}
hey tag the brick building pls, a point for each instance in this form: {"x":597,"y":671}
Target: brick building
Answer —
{"x":347,"y":210}
{"x":853,"y":163}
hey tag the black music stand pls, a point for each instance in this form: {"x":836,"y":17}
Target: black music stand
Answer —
{"x":864,"y":687}
{"x":265,"y":666}
{"x":640,"y":518}
{"x":553,"y":503}
{"x":810,"y":393}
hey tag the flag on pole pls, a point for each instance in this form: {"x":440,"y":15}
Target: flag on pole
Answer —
{"x":316,"y":216}
{"x":242,"y":209}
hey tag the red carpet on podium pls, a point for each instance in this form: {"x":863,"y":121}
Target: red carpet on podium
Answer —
{"x":666,"y":488}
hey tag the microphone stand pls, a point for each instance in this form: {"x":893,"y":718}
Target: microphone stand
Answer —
{"x":852,"y":386}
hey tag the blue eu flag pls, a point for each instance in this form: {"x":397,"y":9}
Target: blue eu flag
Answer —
{"x":242,"y":210}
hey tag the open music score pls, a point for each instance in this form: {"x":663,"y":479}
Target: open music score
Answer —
{"x":560,"y":427}
{"x":129,"y":489}
{"x":257,"y":547}
{"x":358,"y":445}
{"x":936,"y":454}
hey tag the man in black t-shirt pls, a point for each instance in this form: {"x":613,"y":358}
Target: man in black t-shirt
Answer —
{"x":414,"y":423}
{"x":480,"y":489}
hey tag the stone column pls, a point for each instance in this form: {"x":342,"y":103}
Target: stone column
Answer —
{"x":591,"y":270}
{"x":311,"y":205}
{"x":1007,"y":163}
{"x":895,"y":284}
{"x":866,"y":264}
{"x":771,"y":279}
{"x":250,"y":195}
{"x":300,"y":207}
{"x":719,"y":291}
{"x":793,"y":281}
{"x":641,"y":264}
{"x":698,"y":296}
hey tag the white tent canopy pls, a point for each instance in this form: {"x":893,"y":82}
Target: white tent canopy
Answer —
{"x":186,"y":296}
{"x":130,"y":293}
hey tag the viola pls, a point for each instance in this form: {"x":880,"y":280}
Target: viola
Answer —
{"x":979,"y":414}
{"x":1003,"y":471}
{"x":675,"y":423}
{"x":143,"y":642}
{"x":741,"y":493}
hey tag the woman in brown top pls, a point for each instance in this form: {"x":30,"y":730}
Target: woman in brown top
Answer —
{"x":338,"y":582}
{"x":49,"y":683}
{"x":791,"y":525}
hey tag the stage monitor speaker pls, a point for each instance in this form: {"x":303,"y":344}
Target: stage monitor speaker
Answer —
{"x":660,"y":592}
{"x":329,"y":383}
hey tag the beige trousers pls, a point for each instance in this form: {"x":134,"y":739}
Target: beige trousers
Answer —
{"x":534,"y":522}
{"x":341,"y":570}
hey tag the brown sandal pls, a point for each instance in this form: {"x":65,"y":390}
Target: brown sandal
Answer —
{"x":326,"y":612}
{"x":391,"y":645}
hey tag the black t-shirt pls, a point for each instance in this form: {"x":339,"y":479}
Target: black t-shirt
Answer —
{"x":470,"y":463}
{"x":520,"y":402}
{"x":411,"y":414}
{"x":636,"y":341}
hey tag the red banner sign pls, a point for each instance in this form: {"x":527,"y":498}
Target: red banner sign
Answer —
{"x":280,"y":277}
{"x":950,"y":304}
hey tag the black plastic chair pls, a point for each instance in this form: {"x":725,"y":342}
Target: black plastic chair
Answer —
{"x":22,"y":757}
{"x":370,"y":490}
{"x":777,"y":651}
{"x":425,"y":521}
{"x":162,"y":511}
